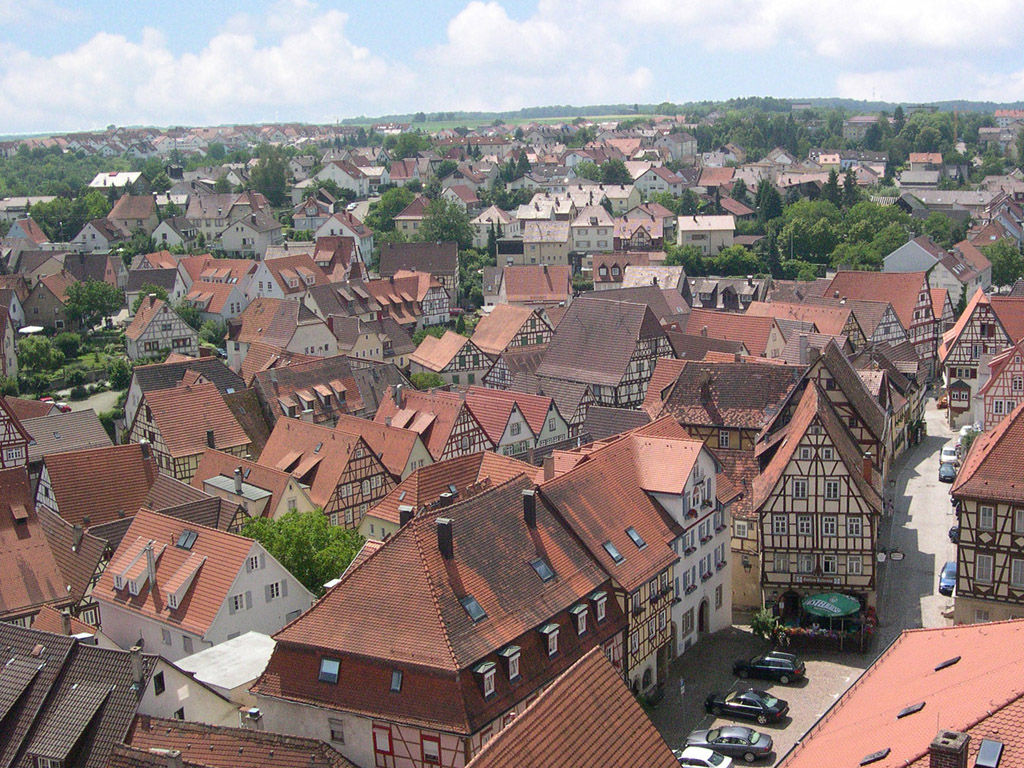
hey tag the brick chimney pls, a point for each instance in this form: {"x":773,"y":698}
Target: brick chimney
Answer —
{"x":209,"y":439}
{"x":530,"y":507}
{"x":949,"y":750}
{"x":138,"y":668}
{"x":405,"y":515}
{"x":866,"y":466}
{"x":445,"y":543}
{"x":549,"y":468}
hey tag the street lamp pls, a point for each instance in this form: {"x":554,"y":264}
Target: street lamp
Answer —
{"x":747,"y":565}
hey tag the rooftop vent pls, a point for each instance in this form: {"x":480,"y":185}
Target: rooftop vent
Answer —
{"x":947,"y":663}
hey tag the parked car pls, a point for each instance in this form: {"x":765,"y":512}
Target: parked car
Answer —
{"x":949,"y":454}
{"x":60,"y":405}
{"x":947,"y":472}
{"x":733,"y":741}
{"x":947,"y":579}
{"x":774,"y":665}
{"x":954,"y":534}
{"x":699,"y":757}
{"x":752,"y":703}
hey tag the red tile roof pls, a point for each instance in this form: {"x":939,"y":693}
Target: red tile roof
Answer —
{"x":219,"y":556}
{"x":435,"y":354}
{"x":220,"y":464}
{"x":263,"y":357}
{"x":949,"y":338}
{"x":101,"y":484}
{"x":28,"y":409}
{"x":754,"y":332}
{"x":298,"y":267}
{"x":393,"y":445}
{"x":432,"y":415}
{"x":51,"y":620}
{"x":493,"y":409}
{"x":991,"y":470}
{"x":587,"y":717}
{"x":1010,"y":311}
{"x":58,"y":284}
{"x":526,"y":284}
{"x":828,"y":320}
{"x":272,"y":321}
{"x":980,"y":695}
{"x":495,"y":331}
{"x":900,"y":289}
{"x":148,"y":309}
{"x":186,"y":413}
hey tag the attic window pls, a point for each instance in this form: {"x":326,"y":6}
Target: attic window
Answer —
{"x":329,"y":669}
{"x":613,"y":553}
{"x":947,"y":663}
{"x":636,"y":537}
{"x":186,"y":539}
{"x":912,"y":709}
{"x":874,"y":757}
{"x":989,"y":754}
{"x":396,"y":681}
{"x":452,"y":489}
{"x":476,"y":613}
{"x":542,"y":568}
{"x":401,"y":496}
{"x":318,"y":447}
{"x":486,"y":671}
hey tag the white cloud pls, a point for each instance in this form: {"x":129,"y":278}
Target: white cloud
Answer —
{"x":255,"y":68}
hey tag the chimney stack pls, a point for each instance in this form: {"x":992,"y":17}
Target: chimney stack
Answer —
{"x":400,"y":395}
{"x":76,"y":537}
{"x":445,"y":499}
{"x":803,"y":349}
{"x":867,"y":466}
{"x":138,"y":668}
{"x":949,"y":750}
{"x":65,"y":623}
{"x":549,"y":468}
{"x":405,"y":515}
{"x":704,"y":331}
{"x":238,"y":481}
{"x":445,"y":544}
{"x":530,"y":508}
{"x":209,"y":439}
{"x":150,"y":565}
{"x":144,"y":445}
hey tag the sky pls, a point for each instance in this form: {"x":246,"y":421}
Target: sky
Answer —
{"x":69,"y":65}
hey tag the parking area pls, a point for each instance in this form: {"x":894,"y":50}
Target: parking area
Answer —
{"x":707,"y":668}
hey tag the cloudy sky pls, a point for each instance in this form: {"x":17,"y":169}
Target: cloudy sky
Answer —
{"x":79,"y":64}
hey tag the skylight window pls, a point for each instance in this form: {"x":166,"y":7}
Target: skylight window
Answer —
{"x":989,"y":754}
{"x":874,"y":757}
{"x":912,"y":709}
{"x":542,"y":568}
{"x":318,"y":447}
{"x":476,"y":613}
{"x":636,"y":537}
{"x":947,"y":663}
{"x":613,"y":553}
{"x":186,"y":539}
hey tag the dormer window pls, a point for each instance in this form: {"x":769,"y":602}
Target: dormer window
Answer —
{"x":329,"y":669}
{"x":486,"y":672}
{"x":600,"y":601}
{"x":579,"y":614}
{"x":510,"y":654}
{"x":550,"y":633}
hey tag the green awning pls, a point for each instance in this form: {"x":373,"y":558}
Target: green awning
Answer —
{"x":831,"y":605}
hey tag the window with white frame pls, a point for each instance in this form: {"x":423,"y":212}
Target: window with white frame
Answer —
{"x":829,"y":525}
{"x":983,"y":569}
{"x":489,"y":681}
{"x":740,"y":528}
{"x":254,"y":563}
{"x":1018,"y":384}
{"x":237,"y":602}
{"x":831,"y":490}
{"x":854,"y":526}
{"x":1017,"y":573}
{"x":799,"y":487}
{"x":516,"y":428}
{"x":804,"y":525}
{"x":580,"y":616}
{"x":552,"y":636}
{"x":986,"y":517}
{"x":781,"y":562}
{"x":826,"y":453}
{"x":854,"y":565}
{"x":829,"y":564}
{"x":723,"y":438}
{"x":805,"y":563}
{"x":997,"y":407}
{"x":805,"y":452}
{"x":431,"y":749}
{"x":337,"y":730}
{"x":780,"y":525}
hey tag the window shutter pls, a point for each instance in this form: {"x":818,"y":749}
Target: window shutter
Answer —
{"x":284,"y":587}
{"x":231,"y":605}
{"x":263,"y":561}
{"x":248,"y":565}
{"x":266,"y":592}
{"x":248,"y":599}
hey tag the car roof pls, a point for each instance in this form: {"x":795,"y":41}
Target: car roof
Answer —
{"x":950,"y":566}
{"x":736,"y":730}
{"x":703,"y":752}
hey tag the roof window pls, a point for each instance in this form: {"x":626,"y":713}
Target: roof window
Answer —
{"x":636,"y":537}
{"x":476,"y":613}
{"x":989,"y":754}
{"x":874,"y":757}
{"x":396,"y":681}
{"x":613,"y":553}
{"x":186,"y":539}
{"x":329,"y":669}
{"x":542,"y":568}
{"x":947,"y":663}
{"x":912,"y":709}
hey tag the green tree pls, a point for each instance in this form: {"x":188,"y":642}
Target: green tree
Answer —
{"x":739,"y":191}
{"x":119,"y":373}
{"x":767,"y":201}
{"x":144,"y":291}
{"x":446,"y":168}
{"x":851,"y":195}
{"x":445,"y":221}
{"x":216,"y":151}
{"x":213,"y":332}
{"x":587,"y":170}
{"x":1007,"y":263}
{"x":270,"y":176}
{"x":460,"y":325}
{"x":191,"y":314}
{"x":614,"y":171}
{"x":307,"y":545}
{"x":382,"y":213}
{"x":426,"y":380}
{"x":830,"y":191}
{"x":68,"y":343}
{"x":161,"y":183}
{"x":39,"y":354}
{"x":222,"y":186}
{"x":928,"y":139}
{"x":91,"y":301}
{"x":431,"y":330}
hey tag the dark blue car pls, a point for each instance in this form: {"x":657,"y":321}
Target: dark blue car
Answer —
{"x":947,"y":579}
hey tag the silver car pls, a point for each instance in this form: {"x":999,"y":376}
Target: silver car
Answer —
{"x":734,"y":741}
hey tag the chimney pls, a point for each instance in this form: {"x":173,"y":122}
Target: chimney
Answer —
{"x":866,"y":466}
{"x":549,"y":468}
{"x":445,"y":499}
{"x":76,"y":538}
{"x":813,"y":353}
{"x":238,"y":481}
{"x":803,"y":349}
{"x":65,"y":623}
{"x":150,"y":565}
{"x":405,"y":515}
{"x":144,"y":445}
{"x":399,"y":396}
{"x":152,"y":299}
{"x":704,"y":331}
{"x":444,"y":538}
{"x":750,"y":280}
{"x":949,"y":750}
{"x":530,"y":508}
{"x":209,"y":439}
{"x":138,"y":668}
{"x":835,"y":294}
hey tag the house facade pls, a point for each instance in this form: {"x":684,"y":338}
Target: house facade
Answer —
{"x":1003,"y":390}
{"x":155,"y":327}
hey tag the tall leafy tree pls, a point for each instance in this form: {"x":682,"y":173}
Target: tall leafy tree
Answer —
{"x":445,"y":221}
{"x":92,"y":300}
{"x":1007,"y":262}
{"x":851,"y":195}
{"x":382,"y":213}
{"x":587,"y":170}
{"x":830,"y":191}
{"x":768,"y":201}
{"x":739,"y":191}
{"x":614,"y":171}
{"x":270,"y":176}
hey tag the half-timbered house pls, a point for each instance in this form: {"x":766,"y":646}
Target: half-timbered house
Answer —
{"x":344,"y":475}
{"x":832,"y":321}
{"x":990,"y":553}
{"x":1003,"y":389}
{"x":517,"y":423}
{"x":762,"y":336}
{"x":818,"y":500}
{"x":487,"y":601}
{"x":877,"y":319}
{"x":14,"y":439}
{"x":412,"y":299}
{"x":513,"y":362}
{"x":510,"y":327}
{"x":453,"y":357}
{"x":610,"y":345}
{"x":442,"y":419}
{"x":156,"y":328}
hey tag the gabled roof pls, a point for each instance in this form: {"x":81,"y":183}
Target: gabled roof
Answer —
{"x":991,"y":470}
{"x":978,"y":694}
{"x":100,"y":484}
{"x":187,"y":413}
{"x":211,"y":297}
{"x":495,"y":331}
{"x":436,"y":354}
{"x":868,"y":313}
{"x":1010,"y":311}
{"x":164,"y":375}
{"x":316,"y":381}
{"x":58,"y":283}
{"x":133,"y":207}
{"x":828,"y":320}
{"x":998,"y":364}
{"x":161,"y":278}
{"x":900,"y":289}
{"x":493,"y":409}
{"x":24,"y":409}
{"x":218,"y":556}
{"x":264,"y":357}
{"x":950,"y":337}
{"x":537,"y":283}
{"x":272,"y":321}
{"x":603,"y":422}
{"x":754,"y":332}
{"x":595,"y":340}
{"x":217,"y":464}
{"x":298,"y":267}
{"x":415,"y":210}
{"x":89,"y":266}
{"x":393,"y":445}
{"x":150,"y":308}
{"x":470,"y":474}
{"x":61,"y":432}
{"x":558,"y":730}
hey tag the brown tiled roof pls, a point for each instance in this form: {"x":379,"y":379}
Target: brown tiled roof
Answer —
{"x":828,"y":320}
{"x":595,"y":340}
{"x":1010,"y":311}
{"x":314,"y":380}
{"x":219,"y":747}
{"x":148,"y":309}
{"x":537,"y":283}
{"x":432,"y":258}
{"x":666,"y":304}
{"x":470,"y":474}
{"x":865,"y":406}
{"x":205,"y":268}
{"x":979,"y":694}
{"x":493,"y":409}
{"x":430,"y":414}
{"x":753,"y":332}
{"x":393,"y":445}
{"x":51,"y":620}
{"x":210,"y":297}
{"x":219,"y":556}
{"x":58,"y":284}
{"x":603,"y":422}
{"x":496,"y":330}
{"x":901,"y":289}
{"x":270,"y":320}
{"x":417,"y":621}
{"x":263,"y":357}
{"x":558,"y":730}
{"x":939,"y":298}
{"x":101,"y":484}
{"x":60,"y":432}
{"x":77,"y":559}
{"x":435,"y":354}
{"x":991,"y":470}
{"x":220,"y":464}
{"x":186,"y":413}
{"x":791,"y":354}
{"x":168,"y":374}
{"x":950,"y":337}
{"x":23,"y":408}
{"x":245,"y":407}
{"x":167,"y":492}
{"x":133,"y":207}
{"x":716,"y":177}
{"x":295,"y":266}
{"x":868,"y":313}
{"x":696,"y":347}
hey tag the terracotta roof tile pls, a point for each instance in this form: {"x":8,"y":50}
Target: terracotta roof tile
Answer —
{"x":1010,"y":311}
{"x":431,"y":414}
{"x":220,"y":464}
{"x":263,"y":357}
{"x":991,"y":469}
{"x":272,"y":321}
{"x":901,"y":289}
{"x":61,"y":432}
{"x":168,"y":374}
{"x":828,"y":320}
{"x":537,"y":284}
{"x":752,"y":331}
{"x":495,"y":405}
{"x":435,"y":354}
{"x":299,"y":267}
{"x":432,"y":258}
{"x":185,"y":414}
{"x":28,"y":409}
{"x":51,"y":620}
{"x":495,"y":331}
{"x":393,"y":445}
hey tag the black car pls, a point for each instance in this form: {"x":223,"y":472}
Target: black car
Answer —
{"x":774,"y":665}
{"x":947,"y":472}
{"x":752,"y":704}
{"x":734,"y":741}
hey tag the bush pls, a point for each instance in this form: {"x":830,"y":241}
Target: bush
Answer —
{"x":74,"y":378}
{"x":120,"y":373}
{"x":78,"y":393}
{"x":8,"y":386}
{"x":107,"y":419}
{"x":68,"y":343}
{"x":426,"y":380}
